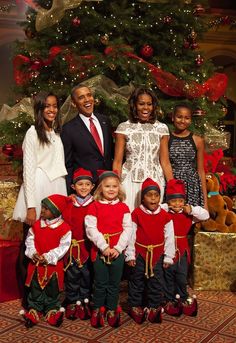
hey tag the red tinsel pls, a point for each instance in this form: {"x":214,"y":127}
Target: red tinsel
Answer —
{"x":168,"y":83}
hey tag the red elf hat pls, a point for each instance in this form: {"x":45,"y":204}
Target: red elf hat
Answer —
{"x":102,"y":174}
{"x":82,"y":174}
{"x":175,"y":189}
{"x":56,"y":203}
{"x":149,"y":185}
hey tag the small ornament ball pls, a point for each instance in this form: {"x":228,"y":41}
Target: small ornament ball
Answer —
{"x":224,"y":110}
{"x":8,"y":149}
{"x":198,"y":10}
{"x":199,"y":60}
{"x":76,"y":22}
{"x":104,"y":39}
{"x":167,"y":19}
{"x":146,"y":51}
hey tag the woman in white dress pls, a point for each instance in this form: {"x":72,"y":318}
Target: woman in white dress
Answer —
{"x":142,"y":141}
{"x":43,"y":166}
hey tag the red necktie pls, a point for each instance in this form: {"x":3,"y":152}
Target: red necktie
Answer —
{"x":94,"y":133}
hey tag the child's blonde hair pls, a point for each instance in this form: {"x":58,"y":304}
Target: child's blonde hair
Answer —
{"x":98,"y":195}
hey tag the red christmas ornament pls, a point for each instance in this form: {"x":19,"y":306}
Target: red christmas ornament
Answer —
{"x":108,"y":50}
{"x":186,"y":44}
{"x":8,"y":149}
{"x":199,"y":60}
{"x":198,"y":10}
{"x":194,"y":46}
{"x":76,"y":22}
{"x":36,"y":64}
{"x":167,"y":19}
{"x":146,"y":51}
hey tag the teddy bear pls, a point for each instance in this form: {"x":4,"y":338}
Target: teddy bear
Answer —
{"x":222,"y":218}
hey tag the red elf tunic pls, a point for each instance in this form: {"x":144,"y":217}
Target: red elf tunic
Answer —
{"x":150,"y":235}
{"x":74,"y":215}
{"x":182,"y":225}
{"x":46,"y":239}
{"x":110,"y":219}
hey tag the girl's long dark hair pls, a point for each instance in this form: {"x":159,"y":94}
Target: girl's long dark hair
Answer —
{"x":39,"y":106}
{"x":133,"y":116}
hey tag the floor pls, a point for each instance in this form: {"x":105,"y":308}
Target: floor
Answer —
{"x":215,"y":323}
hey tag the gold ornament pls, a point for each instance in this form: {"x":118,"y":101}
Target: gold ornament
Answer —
{"x":224,"y":110}
{"x":104,"y":39}
{"x":97,"y":101}
{"x":46,"y":18}
{"x":112,"y":66}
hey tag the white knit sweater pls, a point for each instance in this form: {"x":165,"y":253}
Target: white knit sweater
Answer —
{"x":48,"y":157}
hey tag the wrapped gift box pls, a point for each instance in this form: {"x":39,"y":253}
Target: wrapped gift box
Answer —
{"x":214,"y":263}
{"x":9,"y":229}
{"x":9,"y":289}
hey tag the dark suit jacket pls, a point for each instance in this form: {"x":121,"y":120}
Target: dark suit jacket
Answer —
{"x":82,"y":151}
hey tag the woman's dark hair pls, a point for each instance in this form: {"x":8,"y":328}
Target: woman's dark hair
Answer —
{"x":183,"y":105}
{"x":133,"y":115}
{"x":39,"y":106}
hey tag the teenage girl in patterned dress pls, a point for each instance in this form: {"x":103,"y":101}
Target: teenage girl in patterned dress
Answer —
{"x":186,"y":153}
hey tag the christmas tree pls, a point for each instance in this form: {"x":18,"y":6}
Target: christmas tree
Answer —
{"x":114,"y":46}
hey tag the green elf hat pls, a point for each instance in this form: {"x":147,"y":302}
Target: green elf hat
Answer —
{"x":56,"y":203}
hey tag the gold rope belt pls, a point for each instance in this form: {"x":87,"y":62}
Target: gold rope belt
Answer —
{"x":176,"y":247}
{"x":44,"y":278}
{"x":74,"y":244}
{"x":149,"y":258}
{"x":107,"y":236}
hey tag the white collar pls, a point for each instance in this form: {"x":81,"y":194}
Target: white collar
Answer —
{"x":87,"y":201}
{"x":112,"y":202}
{"x":146,"y":210}
{"x":53,"y":223}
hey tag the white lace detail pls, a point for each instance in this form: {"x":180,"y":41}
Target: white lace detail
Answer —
{"x":142,"y":150}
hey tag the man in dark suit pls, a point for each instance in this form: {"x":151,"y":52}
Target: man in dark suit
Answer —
{"x":80,"y":145}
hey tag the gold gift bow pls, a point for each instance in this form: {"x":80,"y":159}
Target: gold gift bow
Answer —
{"x":149,"y":258}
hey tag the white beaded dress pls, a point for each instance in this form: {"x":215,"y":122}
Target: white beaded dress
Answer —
{"x":141,"y":158}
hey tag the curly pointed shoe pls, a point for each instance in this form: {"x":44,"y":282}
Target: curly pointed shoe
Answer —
{"x":102,"y":312}
{"x":55,"y":317}
{"x":31,"y":317}
{"x":138,"y":314}
{"x":114,"y":317}
{"x":83,"y":310}
{"x":190,"y":307}
{"x":71,"y":312}
{"x":154,"y":315}
{"x":95,"y":319}
{"x":174,"y":308}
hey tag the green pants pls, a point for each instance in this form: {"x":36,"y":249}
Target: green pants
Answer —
{"x":44,"y":300}
{"x":107,"y":279}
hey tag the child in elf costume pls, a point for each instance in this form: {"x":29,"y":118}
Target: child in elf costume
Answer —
{"x":108,"y":225}
{"x":78,"y":265}
{"x":183,"y":216}
{"x":150,"y":250}
{"x":47,"y":242}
